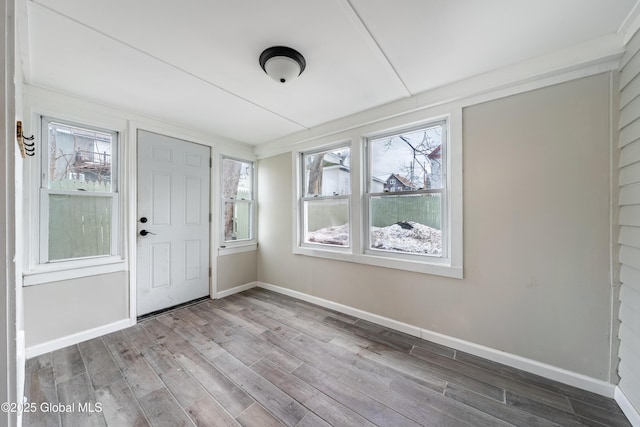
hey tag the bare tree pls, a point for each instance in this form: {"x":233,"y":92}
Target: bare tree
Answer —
{"x":230,"y":180}
{"x":426,"y":154}
{"x":315,"y":175}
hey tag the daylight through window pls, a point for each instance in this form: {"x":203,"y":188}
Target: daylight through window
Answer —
{"x":392,"y":199}
{"x":237,"y":194}
{"x":406,"y":192}
{"x":78,"y":194}
{"x":326,"y":191}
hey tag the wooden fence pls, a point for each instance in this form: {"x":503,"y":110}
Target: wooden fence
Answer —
{"x":423,"y":209}
{"x":385,"y":210}
{"x":79,"y":226}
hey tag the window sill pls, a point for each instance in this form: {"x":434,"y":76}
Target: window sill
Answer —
{"x":442,"y":268}
{"x":58,"y":271}
{"x":237,"y":248}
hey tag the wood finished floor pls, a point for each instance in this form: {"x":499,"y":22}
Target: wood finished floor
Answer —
{"x":262,"y":359}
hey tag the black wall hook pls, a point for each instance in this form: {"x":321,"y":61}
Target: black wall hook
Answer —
{"x":26,"y":148}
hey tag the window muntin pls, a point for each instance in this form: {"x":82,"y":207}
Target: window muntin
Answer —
{"x":238,"y":203}
{"x":406,"y":195}
{"x":78,"y":192}
{"x":326,"y":197}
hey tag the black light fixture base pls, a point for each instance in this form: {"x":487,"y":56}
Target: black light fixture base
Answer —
{"x":288,"y":52}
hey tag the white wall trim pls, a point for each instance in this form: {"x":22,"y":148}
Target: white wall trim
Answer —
{"x":529,"y":365}
{"x":100,"y":266}
{"x":76,"y":338}
{"x":374,"y":318}
{"x":548,"y":371}
{"x":595,"y":57}
{"x":631,"y":24}
{"x":627,"y":407}
{"x":241,"y":288}
{"x":237,"y":249}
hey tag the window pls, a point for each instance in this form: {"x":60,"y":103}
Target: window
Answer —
{"x":408,"y":211}
{"x":237,"y":195}
{"x":406,"y":192}
{"x":78,"y":192}
{"x":325,"y":198}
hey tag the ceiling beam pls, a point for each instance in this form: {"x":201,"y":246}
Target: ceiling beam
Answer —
{"x":362,"y":27}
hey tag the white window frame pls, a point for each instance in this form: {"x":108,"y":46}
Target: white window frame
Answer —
{"x":228,"y":247}
{"x":302,"y":198}
{"x":41,"y":269}
{"x":451,"y":263}
{"x":400,"y":192}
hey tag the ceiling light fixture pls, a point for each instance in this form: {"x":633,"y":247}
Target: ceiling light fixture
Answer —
{"x":282,"y":63}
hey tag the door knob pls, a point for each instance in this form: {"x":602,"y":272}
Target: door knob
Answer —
{"x":143,"y":219}
{"x":145,"y":232}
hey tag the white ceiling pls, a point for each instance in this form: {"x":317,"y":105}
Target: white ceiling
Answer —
{"x":195,"y":62}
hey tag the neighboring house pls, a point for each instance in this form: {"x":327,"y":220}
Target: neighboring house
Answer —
{"x":81,"y":157}
{"x":435,"y":158}
{"x":336,"y":177}
{"x":92,"y":165}
{"x":397,"y":182}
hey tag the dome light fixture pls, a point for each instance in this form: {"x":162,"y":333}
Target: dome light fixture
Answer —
{"x":282,"y":63}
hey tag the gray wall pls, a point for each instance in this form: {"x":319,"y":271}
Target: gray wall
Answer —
{"x":537,"y":231}
{"x":236,"y":270}
{"x":630,"y":223}
{"x":58,"y":309}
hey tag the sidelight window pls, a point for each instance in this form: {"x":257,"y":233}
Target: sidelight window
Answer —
{"x":238,"y":201}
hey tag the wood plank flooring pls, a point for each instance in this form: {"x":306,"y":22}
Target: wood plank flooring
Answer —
{"x":263,"y":359}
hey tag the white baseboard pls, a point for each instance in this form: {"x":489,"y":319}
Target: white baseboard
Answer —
{"x":241,"y":288}
{"x":373,"y":318}
{"x":551,"y":372}
{"x":21,"y":361}
{"x":59,"y":343}
{"x":548,"y":371}
{"x":627,"y":407}
{"x":46,"y":347}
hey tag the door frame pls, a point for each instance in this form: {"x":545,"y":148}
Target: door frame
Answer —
{"x":131,"y":214}
{"x":12,"y":369}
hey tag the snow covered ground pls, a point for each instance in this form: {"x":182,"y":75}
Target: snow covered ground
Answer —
{"x":408,"y":237}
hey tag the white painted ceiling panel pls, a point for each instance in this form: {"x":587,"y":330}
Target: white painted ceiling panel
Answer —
{"x":195,"y":62}
{"x":441,"y":42}
{"x":76,"y":60}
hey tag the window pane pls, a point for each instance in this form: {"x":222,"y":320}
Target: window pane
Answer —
{"x":79,"y":226}
{"x":79,"y":159}
{"x":237,"y":220}
{"x":407,"y":223}
{"x":327,"y":173}
{"x":327,"y":221}
{"x":407,"y":161}
{"x":236,"y":179}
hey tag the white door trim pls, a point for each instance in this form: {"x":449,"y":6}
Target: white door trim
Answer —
{"x":174,"y":178}
{"x":130,"y":179}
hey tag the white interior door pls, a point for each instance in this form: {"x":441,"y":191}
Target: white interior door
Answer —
{"x":173,"y":222}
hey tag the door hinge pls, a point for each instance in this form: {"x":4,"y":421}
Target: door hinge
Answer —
{"x":209,"y":271}
{"x":210,"y":217}
{"x":210,"y":162}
